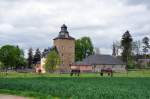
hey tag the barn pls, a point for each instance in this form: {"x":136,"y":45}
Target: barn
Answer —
{"x":96,"y":62}
{"x":99,"y":62}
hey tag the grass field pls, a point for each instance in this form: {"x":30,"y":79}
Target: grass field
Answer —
{"x":134,"y":85}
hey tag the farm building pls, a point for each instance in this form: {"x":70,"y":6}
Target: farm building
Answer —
{"x":105,"y":61}
{"x":98,"y":62}
{"x":82,"y":67}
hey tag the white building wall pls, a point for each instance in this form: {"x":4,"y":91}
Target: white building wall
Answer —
{"x":116,"y":68}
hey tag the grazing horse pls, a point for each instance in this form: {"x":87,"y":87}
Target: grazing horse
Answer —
{"x":76,"y":72}
{"x":107,"y":70}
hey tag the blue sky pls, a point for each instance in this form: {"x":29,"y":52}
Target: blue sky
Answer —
{"x":34,"y":23}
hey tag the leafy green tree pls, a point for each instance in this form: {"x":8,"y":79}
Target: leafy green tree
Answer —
{"x":1,"y":65}
{"x":11,"y":56}
{"x":37,"y":56}
{"x":78,"y":50}
{"x":30,"y":58}
{"x":126,"y":44}
{"x":22,"y":63}
{"x":52,"y":61}
{"x":83,"y":48}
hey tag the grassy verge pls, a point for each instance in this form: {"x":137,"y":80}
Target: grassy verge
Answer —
{"x":145,"y":73}
{"x":32,"y":95}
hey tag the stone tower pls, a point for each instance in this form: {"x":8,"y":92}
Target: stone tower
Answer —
{"x":65,"y":45}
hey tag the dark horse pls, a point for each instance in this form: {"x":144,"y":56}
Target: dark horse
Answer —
{"x":76,"y":72}
{"x":107,"y":70}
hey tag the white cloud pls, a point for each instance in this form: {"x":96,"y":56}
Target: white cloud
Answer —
{"x":34,"y":23}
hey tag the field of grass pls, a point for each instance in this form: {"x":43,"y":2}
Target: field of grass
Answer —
{"x":134,"y":85}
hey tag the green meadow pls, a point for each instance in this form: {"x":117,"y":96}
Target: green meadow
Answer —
{"x":131,"y":85}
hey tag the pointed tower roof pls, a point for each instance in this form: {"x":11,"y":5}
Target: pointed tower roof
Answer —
{"x":63,"y":26}
{"x":64,"y":34}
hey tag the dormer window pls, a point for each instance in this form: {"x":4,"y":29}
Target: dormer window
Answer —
{"x":62,"y":33}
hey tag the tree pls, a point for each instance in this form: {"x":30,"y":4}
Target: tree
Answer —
{"x":30,"y":57}
{"x":83,"y":48}
{"x":136,"y":50}
{"x":126,"y":44}
{"x":37,"y":56}
{"x":78,"y":50}
{"x":1,"y":65}
{"x":45,"y":52}
{"x":146,"y":47}
{"x":115,"y":48}
{"x":11,"y":56}
{"x":136,"y":45}
{"x":114,"y":53}
{"x":52,"y":61}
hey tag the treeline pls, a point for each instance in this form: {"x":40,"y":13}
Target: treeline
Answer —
{"x":12,"y":58}
{"x":127,"y":49}
{"x":132,"y":50}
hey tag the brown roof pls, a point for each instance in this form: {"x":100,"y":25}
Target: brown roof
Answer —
{"x":62,"y":37}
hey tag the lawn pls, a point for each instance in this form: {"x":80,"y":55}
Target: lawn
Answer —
{"x":134,"y":85}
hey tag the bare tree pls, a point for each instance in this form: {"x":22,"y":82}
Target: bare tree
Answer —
{"x":146,"y":47}
{"x":136,"y":45}
{"x":116,"y":47}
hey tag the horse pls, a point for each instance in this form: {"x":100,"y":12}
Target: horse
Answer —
{"x":76,"y":72}
{"x":107,"y":70}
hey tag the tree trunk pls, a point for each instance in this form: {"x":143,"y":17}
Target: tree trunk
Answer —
{"x":145,"y":60}
{"x":6,"y":71}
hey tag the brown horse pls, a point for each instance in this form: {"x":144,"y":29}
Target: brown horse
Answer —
{"x":107,"y":70}
{"x":76,"y":72}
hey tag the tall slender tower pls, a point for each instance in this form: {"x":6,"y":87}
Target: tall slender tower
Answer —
{"x":65,"y":45}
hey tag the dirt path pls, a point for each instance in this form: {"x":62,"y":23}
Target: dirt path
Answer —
{"x":2,"y":96}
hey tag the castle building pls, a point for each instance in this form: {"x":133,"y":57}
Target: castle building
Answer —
{"x":65,"y":45}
